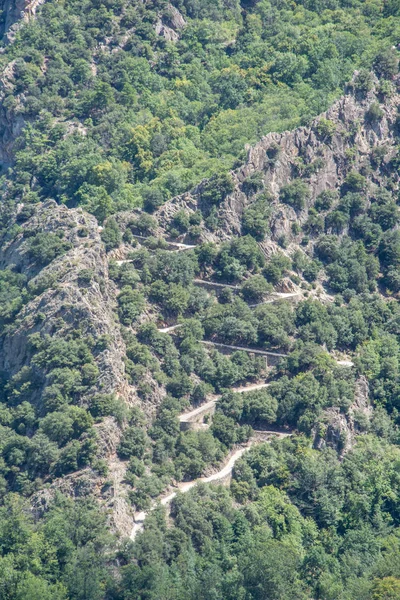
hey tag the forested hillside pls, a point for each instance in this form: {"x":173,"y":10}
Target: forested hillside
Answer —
{"x":132,"y":101}
{"x":199,"y":300}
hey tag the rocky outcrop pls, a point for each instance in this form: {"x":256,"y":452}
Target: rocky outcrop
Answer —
{"x":338,"y":430}
{"x":12,"y":11}
{"x":170,"y":24}
{"x":11,"y":123}
{"x":323,"y":154}
{"x":110,"y":491}
{"x":15,"y":13}
{"x":62,"y":302}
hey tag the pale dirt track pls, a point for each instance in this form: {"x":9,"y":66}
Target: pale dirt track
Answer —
{"x":188,"y":485}
{"x":187,"y":417}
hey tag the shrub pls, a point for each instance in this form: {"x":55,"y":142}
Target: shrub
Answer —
{"x":374,"y":113}
{"x":45,"y":247}
{"x":103,"y":405}
{"x":111,"y":234}
{"x":152,"y":199}
{"x":131,"y":304}
{"x":295,"y":194}
{"x":85,"y":276}
{"x":145,"y":224}
{"x":354,"y":182}
{"x":253,"y":184}
{"x":273,"y":152}
{"x":363,"y":81}
{"x":325,"y":128}
{"x":215,"y":190}
{"x":255,"y":220}
{"x":386,"y":63}
{"x":255,"y":288}
{"x":277,"y":267}
{"x":181,"y":221}
{"x":133,"y":443}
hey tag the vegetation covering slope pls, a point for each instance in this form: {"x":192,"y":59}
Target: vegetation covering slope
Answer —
{"x":111,"y":108}
{"x":117,"y":113}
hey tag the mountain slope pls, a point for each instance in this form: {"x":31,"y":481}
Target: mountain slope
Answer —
{"x":171,"y":295}
{"x":344,"y":139}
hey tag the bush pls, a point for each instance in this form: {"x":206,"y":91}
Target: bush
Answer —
{"x":45,"y":247}
{"x":374,"y":113}
{"x":311,"y":270}
{"x":363,"y":81}
{"x":354,"y":182}
{"x":133,"y":443}
{"x":276,"y":268}
{"x":103,"y":405}
{"x":255,"y":220}
{"x":386,"y":64}
{"x":255,"y":288}
{"x":131,"y":305}
{"x":152,"y":199}
{"x":378,"y":155}
{"x":85,"y":276}
{"x":145,"y":224}
{"x":111,"y":234}
{"x":253,"y":184}
{"x":181,"y":221}
{"x":273,"y":152}
{"x":325,"y":128}
{"x":172,"y":297}
{"x":215,"y":190}
{"x":295,"y":194}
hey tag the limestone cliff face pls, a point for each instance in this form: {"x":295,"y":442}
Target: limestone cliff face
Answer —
{"x":329,"y":158}
{"x":11,"y":123}
{"x":170,"y":24}
{"x":11,"y":13}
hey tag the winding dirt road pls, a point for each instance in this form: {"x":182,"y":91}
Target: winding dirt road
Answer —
{"x":187,"y":417}
{"x":188,"y":485}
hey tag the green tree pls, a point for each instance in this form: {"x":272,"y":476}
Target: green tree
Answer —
{"x":255,"y":288}
{"x":387,"y":588}
{"x":133,"y":443}
{"x":111,"y":234}
{"x":295,"y":194}
{"x":45,"y":247}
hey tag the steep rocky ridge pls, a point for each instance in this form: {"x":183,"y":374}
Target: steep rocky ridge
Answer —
{"x":66,"y":305}
{"x":64,"y":302}
{"x":11,"y":124}
{"x":349,"y":147}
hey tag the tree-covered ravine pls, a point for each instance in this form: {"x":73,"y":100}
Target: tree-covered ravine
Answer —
{"x":199,"y":300}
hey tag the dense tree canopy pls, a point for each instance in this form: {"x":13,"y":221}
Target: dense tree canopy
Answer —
{"x":118,"y":107}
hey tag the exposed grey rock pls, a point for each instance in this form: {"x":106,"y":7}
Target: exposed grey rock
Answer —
{"x":174,"y":18}
{"x":108,"y":437}
{"x":67,"y":305}
{"x":11,"y":124}
{"x":302,"y":146}
{"x":16,"y":12}
{"x":338,"y":430}
{"x":361,"y":396}
{"x":64,"y":303}
{"x":170,"y":24}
